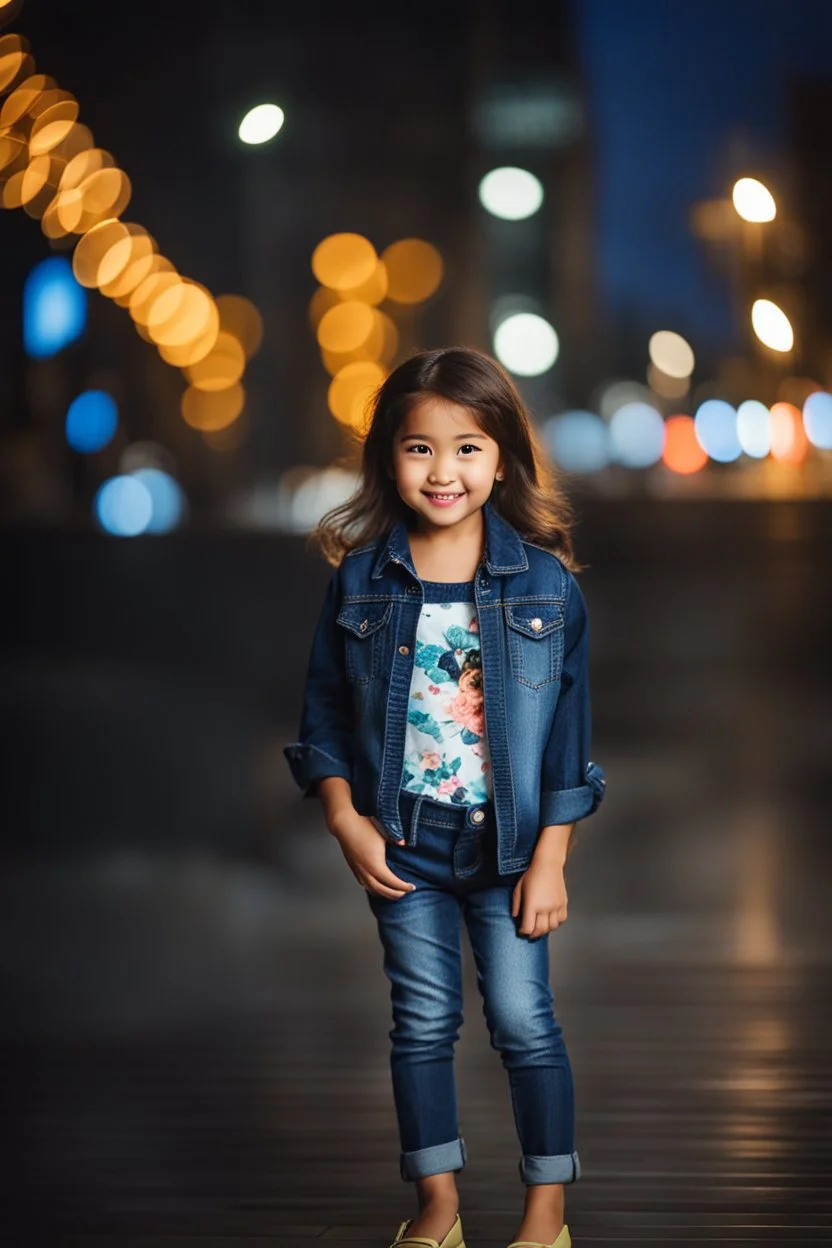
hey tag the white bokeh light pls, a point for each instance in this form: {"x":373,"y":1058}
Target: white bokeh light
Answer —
{"x":671,"y":353}
{"x":754,"y":428}
{"x":261,"y":124}
{"x":753,"y":201}
{"x":510,"y":193}
{"x":526,"y":344}
{"x":771,"y":325}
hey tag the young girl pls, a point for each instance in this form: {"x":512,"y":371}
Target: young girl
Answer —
{"x":446,"y":729}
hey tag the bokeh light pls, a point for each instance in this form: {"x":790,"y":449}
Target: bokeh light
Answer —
{"x":240,"y":318}
{"x":788,"y":435}
{"x":346,"y":326}
{"x":682,"y":452}
{"x":671,"y":353}
{"x":53,"y":126}
{"x":754,"y":428}
{"x":715,"y":424}
{"x":167,"y":502}
{"x":260,"y":124}
{"x":54,"y":308}
{"x":637,"y":435}
{"x":617,"y":393}
{"x":578,"y":441}
{"x":817,"y":419}
{"x":526,"y":344}
{"x":665,"y":386}
{"x":350,"y":391}
{"x":414,"y":270}
{"x":344,"y":261}
{"x":91,"y":421}
{"x":510,"y":193}
{"x":753,"y":200}
{"x":91,"y":251}
{"x":771,"y":325}
{"x":123,"y":506}
{"x":212,"y":409}
{"x":221,"y":367}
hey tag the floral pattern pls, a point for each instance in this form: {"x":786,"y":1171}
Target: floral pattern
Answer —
{"x":446,"y":753}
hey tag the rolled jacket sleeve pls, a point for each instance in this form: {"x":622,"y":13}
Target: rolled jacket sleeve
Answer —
{"x":324,"y":745}
{"x":572,"y":785}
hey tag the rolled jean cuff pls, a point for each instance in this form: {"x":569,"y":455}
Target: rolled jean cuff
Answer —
{"x":563,"y":1169}
{"x":437,"y":1159}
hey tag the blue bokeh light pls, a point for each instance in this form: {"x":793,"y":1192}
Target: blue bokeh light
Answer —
{"x":817,"y":419}
{"x":91,"y":421}
{"x":637,"y":435}
{"x":167,"y":499}
{"x":54,"y":308}
{"x":715,"y":426}
{"x":578,"y":441}
{"x":123,"y":506}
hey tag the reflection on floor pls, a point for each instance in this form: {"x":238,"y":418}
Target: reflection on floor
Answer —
{"x":195,"y":1043}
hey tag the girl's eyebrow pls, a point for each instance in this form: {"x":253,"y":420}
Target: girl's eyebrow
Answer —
{"x":423,"y":437}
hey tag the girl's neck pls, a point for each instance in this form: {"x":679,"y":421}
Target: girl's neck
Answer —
{"x":448,"y":554}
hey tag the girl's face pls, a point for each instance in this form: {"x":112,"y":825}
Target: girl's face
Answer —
{"x":444,"y":465}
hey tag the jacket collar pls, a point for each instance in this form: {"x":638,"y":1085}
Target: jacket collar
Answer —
{"x":503,"y":548}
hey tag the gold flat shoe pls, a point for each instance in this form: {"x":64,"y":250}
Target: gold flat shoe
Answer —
{"x":564,"y":1240}
{"x":452,"y":1240}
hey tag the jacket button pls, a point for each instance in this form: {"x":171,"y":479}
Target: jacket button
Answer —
{"x":363,"y":625}
{"x":404,"y":649}
{"x":536,"y":624}
{"x":477,"y":816}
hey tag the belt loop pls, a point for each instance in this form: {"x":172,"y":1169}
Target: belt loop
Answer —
{"x":414,"y":823}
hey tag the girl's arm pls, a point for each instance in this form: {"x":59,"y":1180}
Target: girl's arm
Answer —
{"x":572,"y":786}
{"x":324,"y":747}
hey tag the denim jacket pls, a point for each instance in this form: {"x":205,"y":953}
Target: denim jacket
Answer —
{"x":534,"y":637}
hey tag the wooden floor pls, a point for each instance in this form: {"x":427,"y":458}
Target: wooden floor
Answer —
{"x":195,"y":1046}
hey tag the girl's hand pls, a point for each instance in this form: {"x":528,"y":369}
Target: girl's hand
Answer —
{"x":363,"y":847}
{"x":540,"y":897}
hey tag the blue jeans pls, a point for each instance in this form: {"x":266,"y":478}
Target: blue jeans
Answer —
{"x":451,"y":857}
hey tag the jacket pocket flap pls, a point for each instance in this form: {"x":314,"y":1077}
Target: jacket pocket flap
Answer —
{"x":534,"y":619}
{"x":363,"y":618}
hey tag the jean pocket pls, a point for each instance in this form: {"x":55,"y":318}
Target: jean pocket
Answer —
{"x":365,"y":631}
{"x":535,"y":641}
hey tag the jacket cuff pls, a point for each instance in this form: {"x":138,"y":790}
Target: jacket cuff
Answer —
{"x":309,"y":764}
{"x":568,"y":805}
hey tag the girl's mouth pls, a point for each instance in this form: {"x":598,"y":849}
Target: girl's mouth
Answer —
{"x":442,"y":500}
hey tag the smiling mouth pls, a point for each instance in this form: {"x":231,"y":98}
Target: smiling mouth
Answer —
{"x":442,"y":498}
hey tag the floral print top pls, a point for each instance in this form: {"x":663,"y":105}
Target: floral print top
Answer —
{"x":446,"y":752}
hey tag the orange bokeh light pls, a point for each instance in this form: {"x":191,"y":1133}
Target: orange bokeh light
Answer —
{"x":346,"y":326}
{"x":350,"y":391}
{"x":240,"y":318}
{"x":682,"y":452}
{"x":414,"y":270}
{"x":212,"y":409}
{"x":344,"y":261}
{"x":221,"y":367}
{"x":789,"y":443}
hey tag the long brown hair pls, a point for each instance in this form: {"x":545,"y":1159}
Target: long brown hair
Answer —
{"x":530,"y":497}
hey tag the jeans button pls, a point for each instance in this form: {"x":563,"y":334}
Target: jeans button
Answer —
{"x":477,"y":816}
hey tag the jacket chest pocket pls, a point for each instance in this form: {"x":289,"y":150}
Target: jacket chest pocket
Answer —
{"x":535,"y":641}
{"x":365,"y":630}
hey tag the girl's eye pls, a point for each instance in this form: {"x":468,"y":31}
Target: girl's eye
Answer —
{"x":421,"y":446}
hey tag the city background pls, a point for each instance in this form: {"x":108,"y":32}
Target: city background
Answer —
{"x":220,"y":230}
